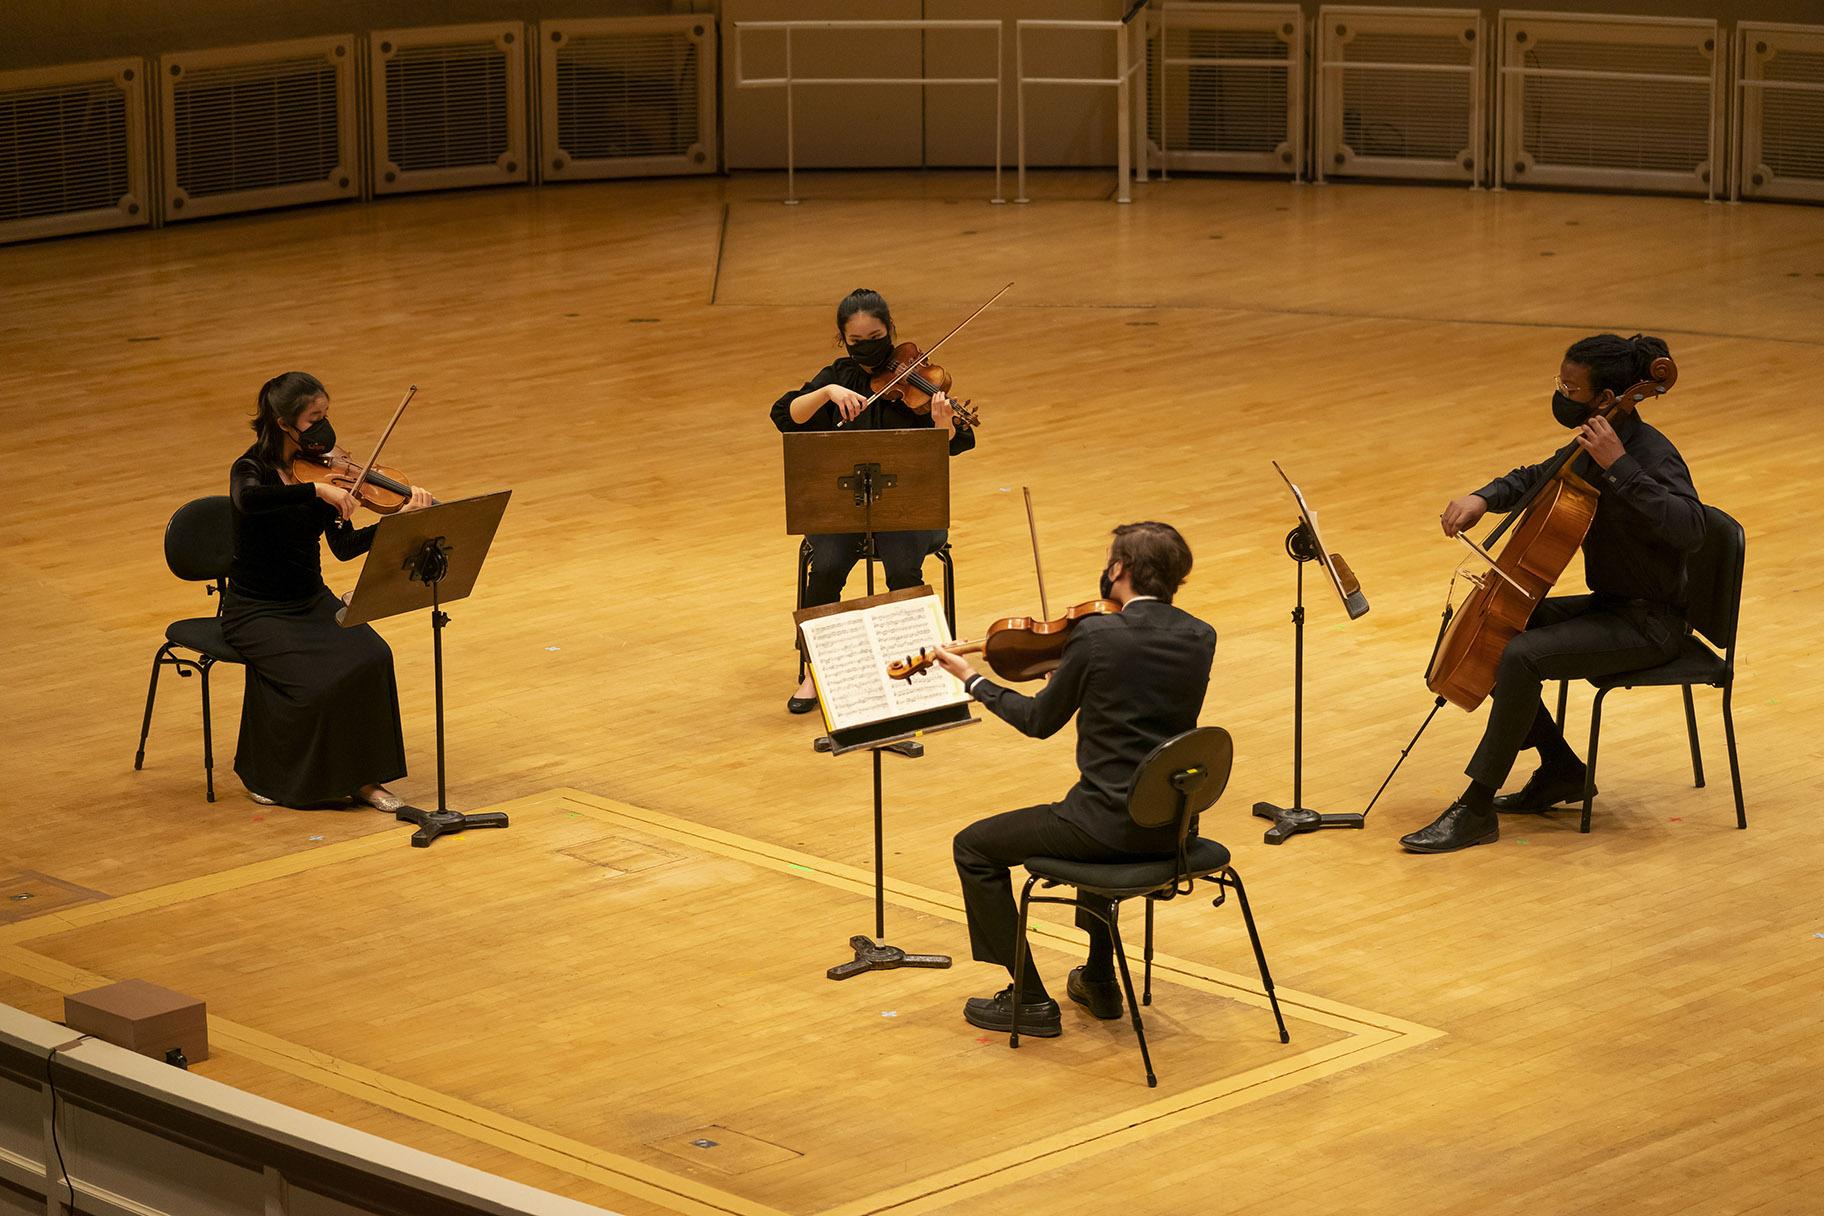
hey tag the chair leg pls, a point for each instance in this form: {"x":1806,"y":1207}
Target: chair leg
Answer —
{"x":804,"y":589}
{"x":1735,"y":769}
{"x":1564,"y":696}
{"x":1697,"y":755}
{"x":208,"y":734}
{"x":1146,"y":994}
{"x":949,"y":588}
{"x":145,"y":725}
{"x":1260,"y":956}
{"x":1127,"y":982}
{"x":1019,"y":961}
{"x":1589,"y":771}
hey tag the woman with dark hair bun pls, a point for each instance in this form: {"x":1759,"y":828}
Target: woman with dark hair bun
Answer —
{"x":320,"y":719}
{"x":1648,"y":518}
{"x":834,"y":397}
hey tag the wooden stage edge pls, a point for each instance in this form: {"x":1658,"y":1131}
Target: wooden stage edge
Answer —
{"x":1368,"y":1035}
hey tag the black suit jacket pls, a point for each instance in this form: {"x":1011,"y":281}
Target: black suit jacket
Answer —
{"x":1133,"y":680}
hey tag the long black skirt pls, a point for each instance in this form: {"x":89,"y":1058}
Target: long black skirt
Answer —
{"x":321,"y":714}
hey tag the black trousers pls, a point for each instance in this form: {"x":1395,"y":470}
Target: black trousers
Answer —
{"x":834,"y":554}
{"x":1570,"y":637}
{"x":987,"y":851}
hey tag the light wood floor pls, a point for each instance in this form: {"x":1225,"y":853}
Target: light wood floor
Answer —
{"x":1622,"y":1022}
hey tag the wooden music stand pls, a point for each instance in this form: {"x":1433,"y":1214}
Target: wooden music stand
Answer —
{"x":869,"y":481}
{"x":425,"y":559}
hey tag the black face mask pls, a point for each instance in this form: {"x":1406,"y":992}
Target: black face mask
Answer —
{"x":319,"y":436}
{"x":870,"y":352}
{"x":1108,"y":583}
{"x":1570,"y":413}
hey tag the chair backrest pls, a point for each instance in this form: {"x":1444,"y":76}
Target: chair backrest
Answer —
{"x":1195,"y":765}
{"x":1714,"y":579}
{"x":199,"y":540}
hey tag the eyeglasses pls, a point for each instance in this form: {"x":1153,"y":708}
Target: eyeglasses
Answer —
{"x":1567,"y":390}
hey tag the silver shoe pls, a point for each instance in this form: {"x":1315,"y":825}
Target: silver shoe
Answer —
{"x":383,"y":801}
{"x":262,"y":799}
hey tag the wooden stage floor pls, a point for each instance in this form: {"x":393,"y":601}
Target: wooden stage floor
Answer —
{"x":1627,"y":1021}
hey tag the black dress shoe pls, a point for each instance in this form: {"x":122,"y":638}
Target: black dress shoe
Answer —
{"x":1040,"y":1019}
{"x":1100,"y":997}
{"x":1545,"y":789}
{"x":801,"y":705}
{"x":1458,"y":827}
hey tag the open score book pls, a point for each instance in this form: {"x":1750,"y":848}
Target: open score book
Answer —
{"x":849,"y":652}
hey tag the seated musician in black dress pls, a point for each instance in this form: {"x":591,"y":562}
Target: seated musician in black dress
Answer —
{"x":834,"y":396}
{"x":1133,"y":680}
{"x":320,"y":720}
{"x":1648,"y":519}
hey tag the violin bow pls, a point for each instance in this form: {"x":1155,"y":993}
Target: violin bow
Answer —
{"x":384,"y":436}
{"x":1033,"y":528}
{"x":926,"y":357}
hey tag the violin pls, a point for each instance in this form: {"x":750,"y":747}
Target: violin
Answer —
{"x":1549,"y":526}
{"x":383,"y":490}
{"x":912,"y":381}
{"x":1015,"y":647}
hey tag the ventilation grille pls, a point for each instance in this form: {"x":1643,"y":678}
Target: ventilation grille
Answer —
{"x":72,"y":150}
{"x":1227,"y":88}
{"x":1399,"y":93}
{"x":261,"y":126}
{"x":1782,"y":112}
{"x":1608,"y":102}
{"x":624,"y":97}
{"x":449,"y":107}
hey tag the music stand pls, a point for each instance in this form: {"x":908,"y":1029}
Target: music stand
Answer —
{"x":868,"y":481}
{"x":1305,"y":544}
{"x":425,"y":559}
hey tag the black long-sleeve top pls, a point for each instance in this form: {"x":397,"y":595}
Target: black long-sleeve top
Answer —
{"x":1648,"y":516}
{"x":883,"y":415}
{"x":1132,"y":680}
{"x":276,"y":528}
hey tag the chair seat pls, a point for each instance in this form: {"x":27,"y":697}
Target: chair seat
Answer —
{"x":203,"y":634}
{"x":1120,"y":879}
{"x":1695,"y":663}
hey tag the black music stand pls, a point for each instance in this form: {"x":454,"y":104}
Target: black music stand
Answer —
{"x":425,"y":559}
{"x":1305,"y":544}
{"x":868,"y":481}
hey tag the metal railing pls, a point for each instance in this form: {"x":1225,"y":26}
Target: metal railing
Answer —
{"x":1128,"y":116}
{"x":1746,"y":34}
{"x":1328,"y":88}
{"x":1292,"y":64}
{"x":789,"y":82}
{"x":1600,"y":26}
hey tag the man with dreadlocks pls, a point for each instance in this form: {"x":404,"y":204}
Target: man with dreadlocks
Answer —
{"x":1647,"y":519}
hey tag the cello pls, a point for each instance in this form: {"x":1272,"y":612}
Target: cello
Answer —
{"x":1549,"y":526}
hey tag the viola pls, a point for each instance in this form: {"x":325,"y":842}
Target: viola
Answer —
{"x":911,"y":380}
{"x":1015,"y":647}
{"x":1549,"y":526}
{"x":383,"y":490}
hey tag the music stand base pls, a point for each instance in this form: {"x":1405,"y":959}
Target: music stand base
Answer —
{"x":432,"y":824}
{"x":1290,"y":821}
{"x":878,"y":956}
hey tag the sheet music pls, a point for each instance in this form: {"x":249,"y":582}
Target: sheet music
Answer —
{"x":904,"y":629}
{"x":851,"y":678}
{"x":1324,"y":555}
{"x":849,"y":652}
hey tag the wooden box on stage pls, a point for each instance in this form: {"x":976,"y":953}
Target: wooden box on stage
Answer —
{"x":141,"y":1017}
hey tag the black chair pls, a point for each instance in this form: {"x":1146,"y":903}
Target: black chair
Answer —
{"x":199,"y":543}
{"x":867,"y":554}
{"x":1715,"y":589}
{"x":1180,"y":778}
